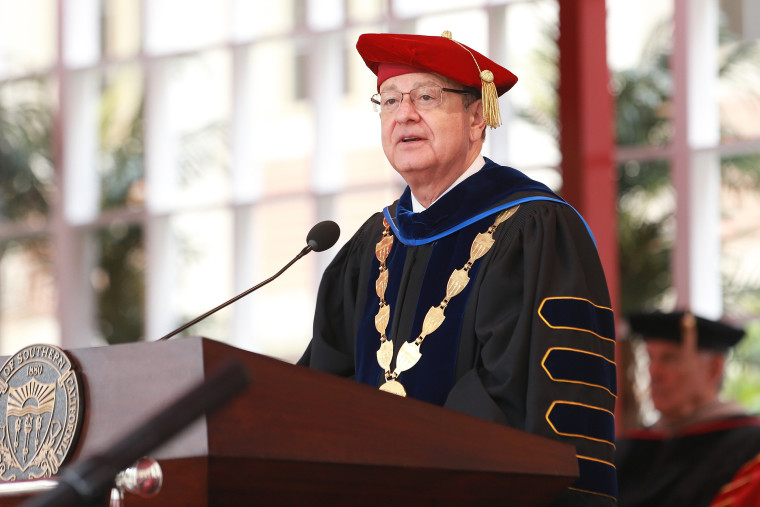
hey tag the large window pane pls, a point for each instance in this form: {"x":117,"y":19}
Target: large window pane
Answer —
{"x":28,"y":35}
{"x":282,"y":137}
{"x":364,"y":160}
{"x":364,"y":10}
{"x":202,"y":264}
{"x":404,"y":9}
{"x":121,"y":138}
{"x":281,"y":312}
{"x":740,"y":268}
{"x":28,"y":295}
{"x":255,"y":19}
{"x":639,"y":59}
{"x":740,"y":234}
{"x":122,"y":30}
{"x":531,"y":107}
{"x":646,"y":234}
{"x":181,"y":25}
{"x":26,"y":172}
{"x":739,"y":98}
{"x":353,"y":209}
{"x":188,"y":130}
{"x":118,"y":281}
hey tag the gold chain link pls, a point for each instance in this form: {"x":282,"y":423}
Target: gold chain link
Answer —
{"x":409,"y":354}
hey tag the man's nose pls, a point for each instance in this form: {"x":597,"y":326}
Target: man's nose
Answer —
{"x":406,"y":110}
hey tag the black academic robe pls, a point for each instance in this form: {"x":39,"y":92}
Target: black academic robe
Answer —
{"x":659,"y":469}
{"x":528,"y":343}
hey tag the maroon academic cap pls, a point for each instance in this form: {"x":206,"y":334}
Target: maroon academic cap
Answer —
{"x":390,"y":54}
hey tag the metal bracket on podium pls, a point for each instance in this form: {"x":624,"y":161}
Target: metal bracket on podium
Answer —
{"x":143,"y":479}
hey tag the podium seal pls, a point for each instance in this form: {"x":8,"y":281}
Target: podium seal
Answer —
{"x":40,"y":412}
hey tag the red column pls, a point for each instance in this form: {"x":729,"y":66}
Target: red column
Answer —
{"x":587,"y":139}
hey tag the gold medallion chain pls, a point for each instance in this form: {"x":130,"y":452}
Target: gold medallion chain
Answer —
{"x":409,"y":353}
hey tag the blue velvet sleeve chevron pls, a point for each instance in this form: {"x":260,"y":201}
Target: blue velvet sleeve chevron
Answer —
{"x":583,"y":421}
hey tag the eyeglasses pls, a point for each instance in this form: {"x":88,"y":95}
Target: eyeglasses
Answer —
{"x":424,"y":97}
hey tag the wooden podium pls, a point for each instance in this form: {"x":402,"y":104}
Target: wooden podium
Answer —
{"x":297,"y":436}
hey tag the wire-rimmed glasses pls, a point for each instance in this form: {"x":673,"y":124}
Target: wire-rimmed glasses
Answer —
{"x":424,"y":97}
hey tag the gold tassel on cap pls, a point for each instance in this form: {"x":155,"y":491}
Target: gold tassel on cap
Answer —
{"x":489,"y":96}
{"x":689,"y":365}
{"x":689,"y":330}
{"x":490,"y":100}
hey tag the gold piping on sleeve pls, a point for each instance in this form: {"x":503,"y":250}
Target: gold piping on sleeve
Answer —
{"x":554,"y":428}
{"x":569,"y":327}
{"x":543,"y":365}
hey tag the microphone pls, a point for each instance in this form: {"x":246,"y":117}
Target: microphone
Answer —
{"x":321,"y":237}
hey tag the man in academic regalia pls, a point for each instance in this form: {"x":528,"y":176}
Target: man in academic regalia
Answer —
{"x":479,"y":289}
{"x":700,"y":442}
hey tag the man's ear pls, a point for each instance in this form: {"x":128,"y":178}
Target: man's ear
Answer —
{"x":716,"y":365}
{"x":477,"y":122}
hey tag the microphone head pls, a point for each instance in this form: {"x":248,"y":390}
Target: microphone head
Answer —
{"x":323,"y":235}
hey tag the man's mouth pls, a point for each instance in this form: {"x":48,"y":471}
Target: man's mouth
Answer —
{"x":409,"y":139}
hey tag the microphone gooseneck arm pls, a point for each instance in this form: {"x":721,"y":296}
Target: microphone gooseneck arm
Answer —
{"x":321,"y":237}
{"x":303,"y":252}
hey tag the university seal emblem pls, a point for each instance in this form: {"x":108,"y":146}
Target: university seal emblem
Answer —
{"x":40,"y":412}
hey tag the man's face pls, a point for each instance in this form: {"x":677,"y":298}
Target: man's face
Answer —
{"x":680,"y":383}
{"x":426,"y":144}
